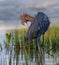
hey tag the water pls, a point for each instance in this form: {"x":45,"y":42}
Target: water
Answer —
{"x":25,"y":56}
{"x":27,"y":59}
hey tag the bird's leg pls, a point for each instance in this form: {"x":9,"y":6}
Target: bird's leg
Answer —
{"x":42,"y":44}
{"x":37,"y":41}
{"x":43,"y":50}
{"x":43,"y":40}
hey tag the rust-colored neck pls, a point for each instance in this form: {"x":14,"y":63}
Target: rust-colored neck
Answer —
{"x":25,"y":18}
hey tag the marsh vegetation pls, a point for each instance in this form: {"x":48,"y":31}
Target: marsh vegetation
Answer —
{"x":15,"y":51}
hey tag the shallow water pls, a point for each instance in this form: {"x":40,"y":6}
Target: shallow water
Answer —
{"x":26,"y":56}
{"x":32,"y":58}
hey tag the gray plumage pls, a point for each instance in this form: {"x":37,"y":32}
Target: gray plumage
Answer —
{"x":38,"y":27}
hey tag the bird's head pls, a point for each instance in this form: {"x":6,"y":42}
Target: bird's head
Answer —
{"x":23,"y":18}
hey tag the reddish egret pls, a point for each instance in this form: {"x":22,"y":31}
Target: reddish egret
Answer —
{"x":39,"y":25}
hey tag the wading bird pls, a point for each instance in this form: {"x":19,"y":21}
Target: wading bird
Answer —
{"x":39,"y":25}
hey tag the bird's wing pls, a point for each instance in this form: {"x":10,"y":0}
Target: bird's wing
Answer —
{"x":34,"y":28}
{"x":38,"y":26}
